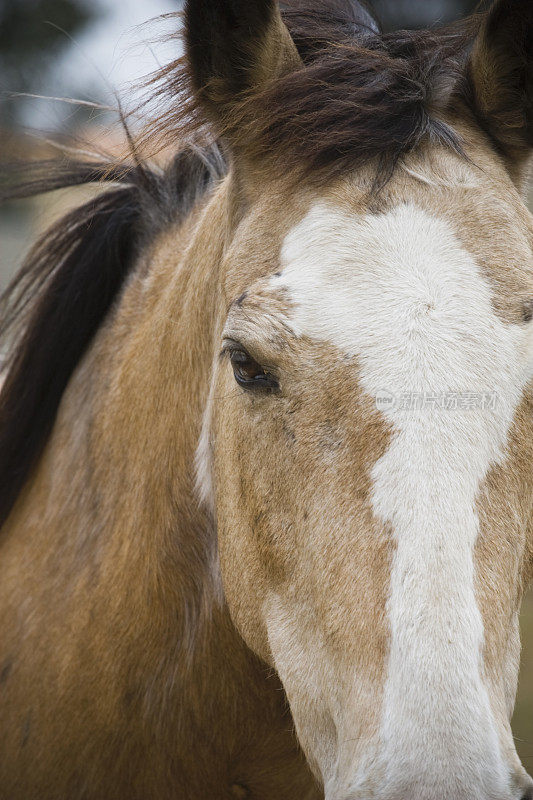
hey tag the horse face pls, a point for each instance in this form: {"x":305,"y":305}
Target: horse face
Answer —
{"x":366,"y":446}
{"x":371,"y":435}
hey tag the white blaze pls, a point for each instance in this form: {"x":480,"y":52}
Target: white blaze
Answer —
{"x":400,"y":293}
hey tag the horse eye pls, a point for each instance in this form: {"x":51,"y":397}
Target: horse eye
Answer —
{"x":249,"y":374}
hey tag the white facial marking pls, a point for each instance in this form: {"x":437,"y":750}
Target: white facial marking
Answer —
{"x":400,"y":293}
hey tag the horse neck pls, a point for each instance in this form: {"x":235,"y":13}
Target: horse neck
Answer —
{"x":113,"y":496}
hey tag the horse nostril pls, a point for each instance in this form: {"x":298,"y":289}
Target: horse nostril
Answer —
{"x":528,"y":794}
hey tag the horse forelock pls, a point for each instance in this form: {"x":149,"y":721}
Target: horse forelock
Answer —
{"x":358,"y":95}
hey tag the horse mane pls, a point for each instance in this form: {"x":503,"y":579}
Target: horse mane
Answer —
{"x":360,"y":96}
{"x":70,"y":281}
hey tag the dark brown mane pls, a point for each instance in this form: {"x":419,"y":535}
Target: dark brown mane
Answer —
{"x":360,"y":95}
{"x":70,"y":281}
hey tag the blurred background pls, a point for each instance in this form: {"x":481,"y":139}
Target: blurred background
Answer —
{"x":92,"y":49}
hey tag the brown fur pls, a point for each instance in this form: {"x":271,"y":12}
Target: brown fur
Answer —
{"x":144,"y":688}
{"x":135,"y":658}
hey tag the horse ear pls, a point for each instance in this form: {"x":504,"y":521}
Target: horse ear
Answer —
{"x":501,"y":71}
{"x":234,"y":47}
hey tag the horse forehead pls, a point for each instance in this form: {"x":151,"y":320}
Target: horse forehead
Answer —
{"x":405,"y":255}
{"x":400,"y":282}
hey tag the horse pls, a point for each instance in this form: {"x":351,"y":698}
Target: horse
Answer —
{"x":266,"y":426}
